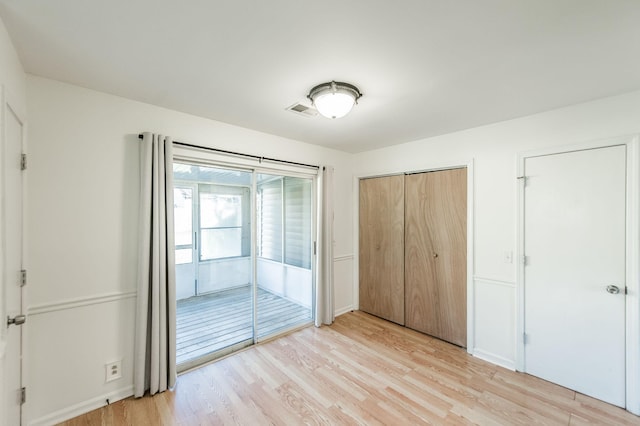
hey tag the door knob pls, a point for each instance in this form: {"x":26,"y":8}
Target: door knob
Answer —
{"x":17,"y":320}
{"x":613,"y":289}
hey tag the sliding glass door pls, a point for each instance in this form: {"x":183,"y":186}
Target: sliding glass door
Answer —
{"x":284,"y":258}
{"x":244,"y":257}
{"x":214,"y":278}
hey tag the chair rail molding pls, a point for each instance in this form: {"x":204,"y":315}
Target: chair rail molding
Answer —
{"x":62,"y":305}
{"x":343,"y":258}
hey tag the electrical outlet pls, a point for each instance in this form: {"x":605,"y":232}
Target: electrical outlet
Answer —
{"x":113,"y":371}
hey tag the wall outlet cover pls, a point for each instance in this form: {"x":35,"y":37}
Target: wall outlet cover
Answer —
{"x":113,"y":371}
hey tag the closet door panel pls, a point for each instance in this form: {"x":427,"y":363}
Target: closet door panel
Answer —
{"x":381,"y":256}
{"x":436,"y":254}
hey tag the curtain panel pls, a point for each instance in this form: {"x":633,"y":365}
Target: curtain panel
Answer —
{"x":155,"y":333}
{"x":324,"y":284}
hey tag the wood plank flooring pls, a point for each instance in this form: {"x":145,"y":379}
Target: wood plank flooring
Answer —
{"x":360,"y":370}
{"x":211,"y":322}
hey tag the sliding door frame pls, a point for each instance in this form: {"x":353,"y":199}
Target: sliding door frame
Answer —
{"x":193,"y":187}
{"x":314,"y":245}
{"x":208,"y":158}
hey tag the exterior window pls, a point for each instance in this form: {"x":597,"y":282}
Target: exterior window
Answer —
{"x":224,"y":222}
{"x":297,"y":219}
{"x":183,"y":213}
{"x":284,"y":227}
{"x":270,"y":220}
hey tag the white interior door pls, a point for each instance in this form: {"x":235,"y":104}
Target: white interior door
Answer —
{"x":574,"y":231}
{"x":12,"y":262}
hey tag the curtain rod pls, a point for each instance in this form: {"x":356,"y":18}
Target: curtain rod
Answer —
{"x":257,"y":157}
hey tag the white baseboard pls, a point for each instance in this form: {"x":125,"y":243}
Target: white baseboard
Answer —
{"x":509,"y":364}
{"x":343,"y":310}
{"x":82,"y":407}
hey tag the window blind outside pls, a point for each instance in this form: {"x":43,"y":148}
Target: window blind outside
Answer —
{"x":269,"y":208}
{"x":297,"y":216}
{"x":284,"y":215}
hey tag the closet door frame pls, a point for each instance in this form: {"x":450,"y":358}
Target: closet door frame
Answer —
{"x":470,"y":221}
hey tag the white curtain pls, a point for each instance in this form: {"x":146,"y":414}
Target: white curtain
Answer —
{"x":324,"y":284}
{"x":155,"y":344}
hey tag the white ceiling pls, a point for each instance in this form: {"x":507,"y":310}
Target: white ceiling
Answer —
{"x":425,"y":67}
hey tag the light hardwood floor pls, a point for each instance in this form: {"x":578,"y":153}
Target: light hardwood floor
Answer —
{"x":360,"y":370}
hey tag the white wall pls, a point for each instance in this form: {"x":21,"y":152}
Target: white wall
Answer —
{"x":291,"y":282}
{"x":12,"y":76}
{"x":13,"y":83}
{"x":82,"y":220}
{"x":223,"y":274}
{"x":494,"y":149}
{"x":213,"y":275}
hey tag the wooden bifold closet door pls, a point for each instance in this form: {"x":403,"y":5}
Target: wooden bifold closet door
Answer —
{"x":435,"y":251}
{"x":381,"y":252}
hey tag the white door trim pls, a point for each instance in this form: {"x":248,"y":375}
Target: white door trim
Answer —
{"x":632,"y":144}
{"x":470,"y":233}
{"x":11,"y":105}
{"x":3,"y":300}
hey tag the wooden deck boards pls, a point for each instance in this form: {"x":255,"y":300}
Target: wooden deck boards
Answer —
{"x":359,"y":371}
{"x":208,"y":323}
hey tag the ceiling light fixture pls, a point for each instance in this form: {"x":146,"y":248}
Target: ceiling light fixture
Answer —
{"x":334,"y":99}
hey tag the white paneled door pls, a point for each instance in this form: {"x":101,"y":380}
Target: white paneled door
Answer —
{"x":12,"y":260}
{"x":574,"y":242}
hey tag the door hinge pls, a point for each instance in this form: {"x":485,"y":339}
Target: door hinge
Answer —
{"x":524,"y":260}
{"x":23,"y":278}
{"x":23,"y":162}
{"x":315,"y":248}
{"x":525,"y":338}
{"x":626,"y":290}
{"x":23,"y":395}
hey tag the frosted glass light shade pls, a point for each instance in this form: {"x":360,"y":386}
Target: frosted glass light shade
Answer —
{"x":334,"y":105}
{"x":334,"y":100}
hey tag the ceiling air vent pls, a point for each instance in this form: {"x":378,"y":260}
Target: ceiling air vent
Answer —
{"x":302,"y":109}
